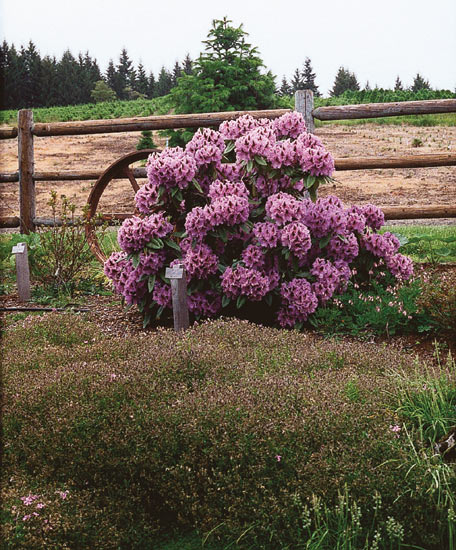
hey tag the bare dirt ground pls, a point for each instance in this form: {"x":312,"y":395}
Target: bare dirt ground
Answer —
{"x":419,"y":186}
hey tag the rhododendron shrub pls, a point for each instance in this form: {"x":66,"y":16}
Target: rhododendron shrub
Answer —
{"x":238,"y":207}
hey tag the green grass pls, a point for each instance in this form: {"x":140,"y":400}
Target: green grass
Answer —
{"x":93,"y":111}
{"x":442,"y":238}
{"x":162,"y":105}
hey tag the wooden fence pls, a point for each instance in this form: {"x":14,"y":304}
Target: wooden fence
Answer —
{"x":27,"y":129}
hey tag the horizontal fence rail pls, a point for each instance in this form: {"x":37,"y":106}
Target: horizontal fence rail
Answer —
{"x":341,"y":164}
{"x":377,"y":110}
{"x":27,"y":130}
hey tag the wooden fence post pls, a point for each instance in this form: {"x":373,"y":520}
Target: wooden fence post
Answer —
{"x":22,"y":271}
{"x":27,"y":205}
{"x":304,"y":104}
{"x":178,"y":280}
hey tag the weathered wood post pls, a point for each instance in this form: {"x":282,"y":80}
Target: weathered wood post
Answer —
{"x":27,"y":206}
{"x":22,"y":271}
{"x":178,"y":280}
{"x":304,"y":104}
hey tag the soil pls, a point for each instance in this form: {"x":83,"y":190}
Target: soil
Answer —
{"x":417,"y":186}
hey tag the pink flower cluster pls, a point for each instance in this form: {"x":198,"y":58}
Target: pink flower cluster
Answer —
{"x":206,"y":147}
{"x":171,"y":168}
{"x":135,"y":233}
{"x":290,"y":125}
{"x":298,"y":302}
{"x":283,"y":208}
{"x":296,"y":237}
{"x":259,"y":141}
{"x":244,"y":281}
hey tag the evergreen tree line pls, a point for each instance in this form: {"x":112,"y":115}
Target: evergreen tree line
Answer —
{"x":345,"y":81}
{"x":29,"y":80}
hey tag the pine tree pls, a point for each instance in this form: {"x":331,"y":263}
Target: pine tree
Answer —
{"x":367,"y":87}
{"x":177,"y":72}
{"x":285,"y":88}
{"x":227,"y":76}
{"x":164,"y":83}
{"x":187,"y":65}
{"x":142,"y":83}
{"x":308,"y":77}
{"x":297,"y":82}
{"x":344,"y":81}
{"x":67,"y":77}
{"x":419,"y":83}
{"x":151,"y":86}
{"x":48,"y":82}
{"x":111,"y":75}
{"x":123,"y":74}
{"x":398,"y":85}
{"x":32,"y":62}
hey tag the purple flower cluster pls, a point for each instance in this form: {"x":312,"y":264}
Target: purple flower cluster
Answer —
{"x":267,"y":234}
{"x":246,"y":282}
{"x":253,"y":257}
{"x":317,"y":162}
{"x":290,"y":125}
{"x":224,"y":188}
{"x":343,"y":247}
{"x":374,"y":216}
{"x":298,"y":302}
{"x":259,"y":141}
{"x":146,"y":198}
{"x":283,"y":208}
{"x":296,"y":237}
{"x":206,"y":147}
{"x":136,"y":232}
{"x":233,"y":129}
{"x":327,"y":279}
{"x":205,"y":303}
{"x":171,"y":168}
{"x":400,"y":266}
{"x":200,"y":262}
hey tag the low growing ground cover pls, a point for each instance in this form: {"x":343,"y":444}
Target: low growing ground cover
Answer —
{"x":254,"y":437}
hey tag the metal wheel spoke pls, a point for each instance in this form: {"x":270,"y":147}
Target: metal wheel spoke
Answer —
{"x":128,"y":172}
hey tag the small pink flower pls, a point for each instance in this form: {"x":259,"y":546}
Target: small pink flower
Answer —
{"x":395,"y":429}
{"x":63,"y":494}
{"x":40,"y":505}
{"x":278,"y":458}
{"x":27,"y":517}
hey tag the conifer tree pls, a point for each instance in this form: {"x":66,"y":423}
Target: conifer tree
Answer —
{"x":177,"y":72}
{"x":164,"y":83}
{"x":398,"y":85}
{"x":297,"y":82}
{"x":419,"y":83}
{"x":111,"y":75}
{"x":344,"y":81}
{"x":151,"y":86}
{"x":142,"y":83}
{"x":285,"y":88}
{"x":226,"y":76}
{"x":308,"y":78}
{"x":187,"y":65}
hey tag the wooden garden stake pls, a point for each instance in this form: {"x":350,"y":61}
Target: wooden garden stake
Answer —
{"x":22,"y":271}
{"x":178,"y":280}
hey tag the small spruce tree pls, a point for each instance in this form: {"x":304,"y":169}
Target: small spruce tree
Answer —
{"x":419,"y":83}
{"x":308,"y":78}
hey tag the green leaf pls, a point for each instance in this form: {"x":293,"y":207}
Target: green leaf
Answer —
{"x":159,"y":312}
{"x":310,"y":180}
{"x":249,"y":165}
{"x":240,"y":301}
{"x":260,"y":160}
{"x":225,"y":301}
{"x":197,"y":185}
{"x":135,"y":260}
{"x":324,"y":241}
{"x":443,"y":251}
{"x":229,"y":147}
{"x":268,"y":300}
{"x":146,"y":319}
{"x":173,"y":244}
{"x":151,"y":282}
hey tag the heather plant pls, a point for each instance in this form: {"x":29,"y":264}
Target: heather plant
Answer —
{"x":151,"y":432}
{"x":438,"y":300}
{"x":239,"y":208}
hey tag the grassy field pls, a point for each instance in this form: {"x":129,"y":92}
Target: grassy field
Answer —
{"x":162,"y":105}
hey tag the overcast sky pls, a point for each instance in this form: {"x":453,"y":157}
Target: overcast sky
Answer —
{"x":377,"y":40}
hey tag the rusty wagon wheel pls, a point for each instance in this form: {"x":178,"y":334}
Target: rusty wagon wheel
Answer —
{"x":119,"y":169}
